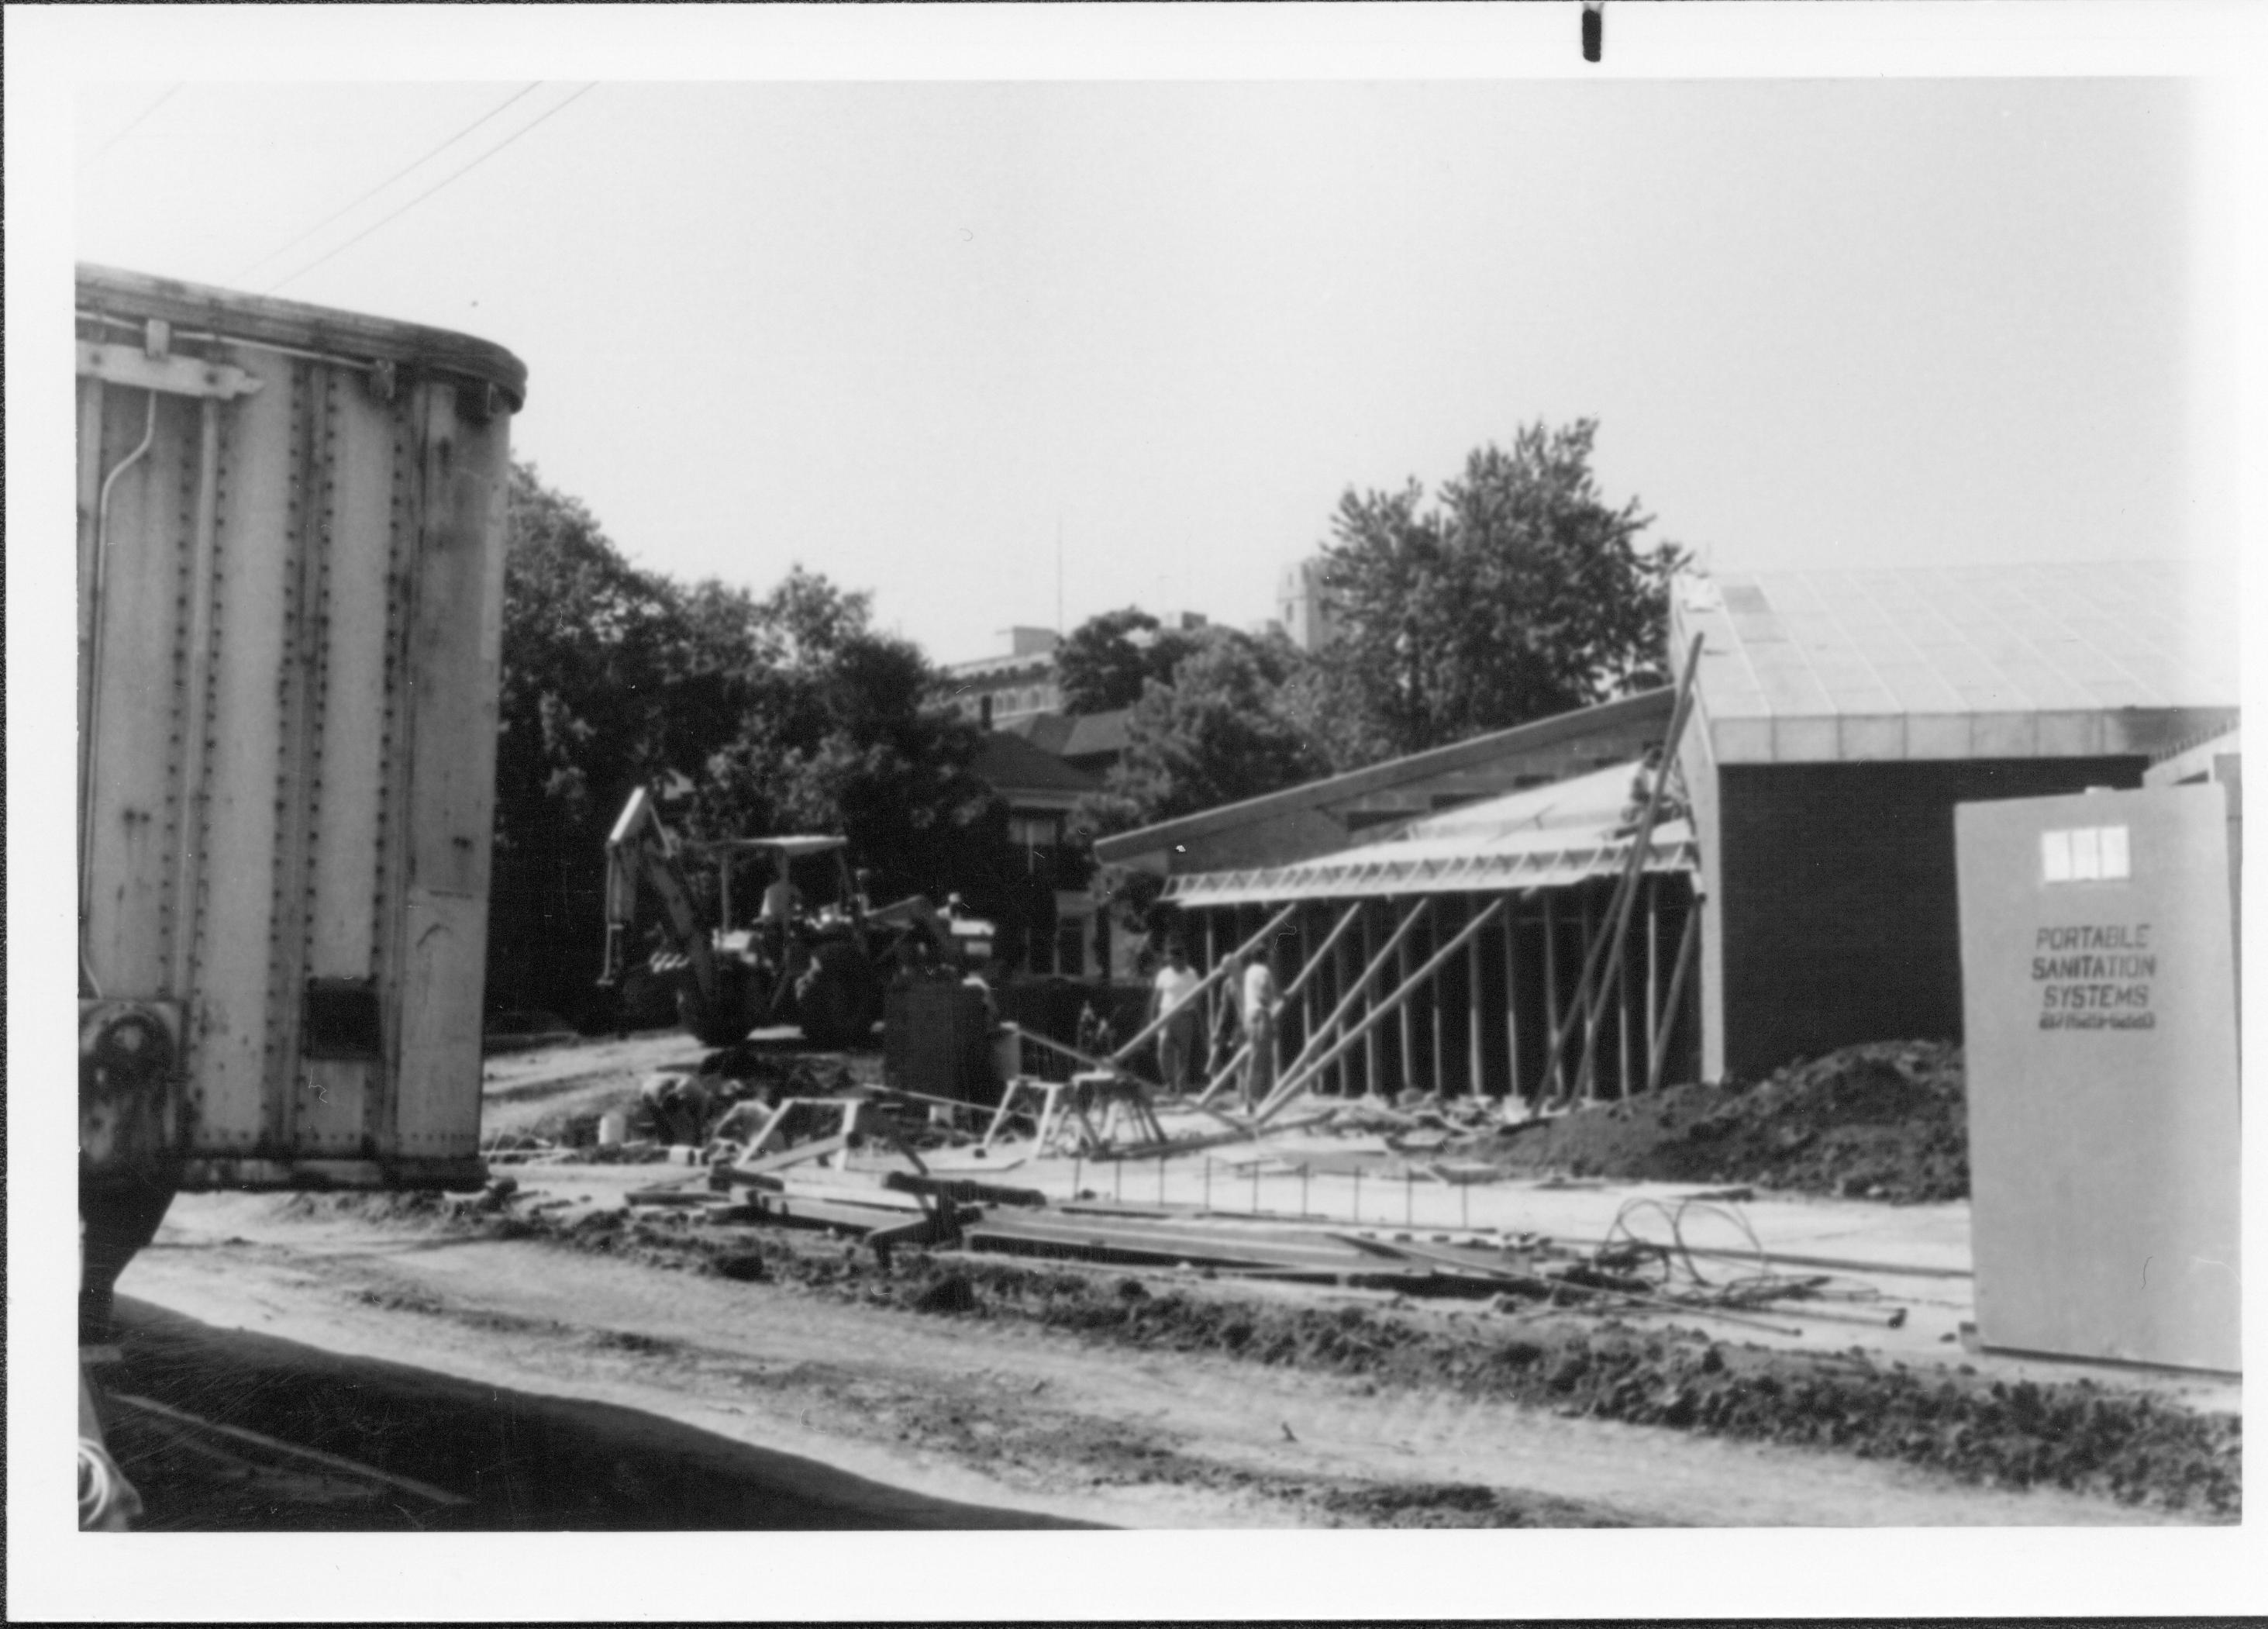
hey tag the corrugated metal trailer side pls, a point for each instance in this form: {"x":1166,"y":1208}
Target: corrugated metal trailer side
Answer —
{"x":290,"y":552}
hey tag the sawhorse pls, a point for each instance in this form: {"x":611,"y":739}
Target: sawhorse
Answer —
{"x":1093,"y":1107}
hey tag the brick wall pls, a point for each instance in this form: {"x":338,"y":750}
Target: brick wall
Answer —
{"x":1836,"y":895}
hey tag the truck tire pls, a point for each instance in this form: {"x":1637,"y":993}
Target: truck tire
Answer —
{"x":838,"y":1000}
{"x":116,"y":1222}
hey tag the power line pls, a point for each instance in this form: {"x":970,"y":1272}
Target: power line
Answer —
{"x":430,"y":191}
{"x":134,"y":123}
{"x":389,"y":180}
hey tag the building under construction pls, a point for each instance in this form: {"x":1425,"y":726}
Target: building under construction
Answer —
{"x":1540,"y":913}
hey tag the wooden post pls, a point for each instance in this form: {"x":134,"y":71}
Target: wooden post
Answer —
{"x":1473,"y":1064}
{"x":1398,"y":1002}
{"x":1212,"y":971}
{"x":1685,"y":948}
{"x":1512,"y":1000}
{"x":1339,"y":989}
{"x":1370,"y":1079}
{"x":1652,"y":971}
{"x":1623,"y":1032}
{"x":1579,"y":1008}
{"x":1332,"y":1024}
{"x":1406,"y":1070}
{"x":1436,"y":1069}
{"x":1641,"y":844}
{"x":1550,"y":1085}
{"x":1229,"y":1070}
{"x":1311,"y":960}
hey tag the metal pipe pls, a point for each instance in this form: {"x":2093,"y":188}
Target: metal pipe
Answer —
{"x":95,"y":643}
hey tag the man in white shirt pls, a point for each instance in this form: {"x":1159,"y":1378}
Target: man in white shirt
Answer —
{"x":1261,"y":1005}
{"x":1170,"y":998}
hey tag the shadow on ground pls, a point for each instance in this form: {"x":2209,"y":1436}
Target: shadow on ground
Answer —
{"x":521,"y":1461}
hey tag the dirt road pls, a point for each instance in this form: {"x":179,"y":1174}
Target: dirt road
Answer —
{"x":891,"y":1417}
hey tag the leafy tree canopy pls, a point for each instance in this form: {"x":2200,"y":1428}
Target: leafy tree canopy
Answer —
{"x":784,"y":712}
{"x":1103,"y":663}
{"x":1217,"y":734}
{"x":1518,"y":593}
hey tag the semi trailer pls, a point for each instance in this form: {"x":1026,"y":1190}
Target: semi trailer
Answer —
{"x":290,"y":561}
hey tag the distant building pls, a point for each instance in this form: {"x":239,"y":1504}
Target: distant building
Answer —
{"x":995,"y":690}
{"x":1303,"y":606}
{"x":1090,"y":742}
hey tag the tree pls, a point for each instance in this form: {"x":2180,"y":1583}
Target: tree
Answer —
{"x":609,"y":678}
{"x":787,"y":712}
{"x":1104,"y":662}
{"x":1517,"y":595}
{"x":846,"y":734}
{"x":1217,"y":734}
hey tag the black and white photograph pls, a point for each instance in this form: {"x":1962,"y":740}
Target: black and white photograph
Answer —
{"x":1002,"y":812}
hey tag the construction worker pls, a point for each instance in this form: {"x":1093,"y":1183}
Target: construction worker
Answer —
{"x":678,"y":1105}
{"x":1171,"y":998}
{"x":1261,"y":1005}
{"x":783,"y":900}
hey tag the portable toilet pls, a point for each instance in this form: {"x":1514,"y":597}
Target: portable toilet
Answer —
{"x":2098,"y":972}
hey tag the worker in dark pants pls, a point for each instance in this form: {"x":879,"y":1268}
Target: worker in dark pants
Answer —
{"x":1170,"y":998}
{"x":1261,"y":1005}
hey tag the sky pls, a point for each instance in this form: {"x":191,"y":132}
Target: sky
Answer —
{"x":1016,"y":353}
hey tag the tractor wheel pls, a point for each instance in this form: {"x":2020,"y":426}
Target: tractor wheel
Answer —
{"x":729,"y":1028}
{"x":838,"y":1000}
{"x":116,"y":1222}
{"x":735,"y":1011}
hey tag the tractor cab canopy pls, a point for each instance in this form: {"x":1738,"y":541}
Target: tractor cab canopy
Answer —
{"x":779,"y":855}
{"x":793,"y":848}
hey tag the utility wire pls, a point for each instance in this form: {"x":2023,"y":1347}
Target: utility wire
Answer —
{"x":389,"y":181}
{"x":430,"y":191}
{"x":133,"y":124}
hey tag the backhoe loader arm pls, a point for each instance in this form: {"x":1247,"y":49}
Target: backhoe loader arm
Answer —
{"x":641,"y":852}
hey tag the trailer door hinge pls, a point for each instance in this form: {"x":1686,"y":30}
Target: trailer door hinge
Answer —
{"x":139,"y":368}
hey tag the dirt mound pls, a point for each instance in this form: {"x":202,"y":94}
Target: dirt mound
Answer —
{"x":1888,"y":1120}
